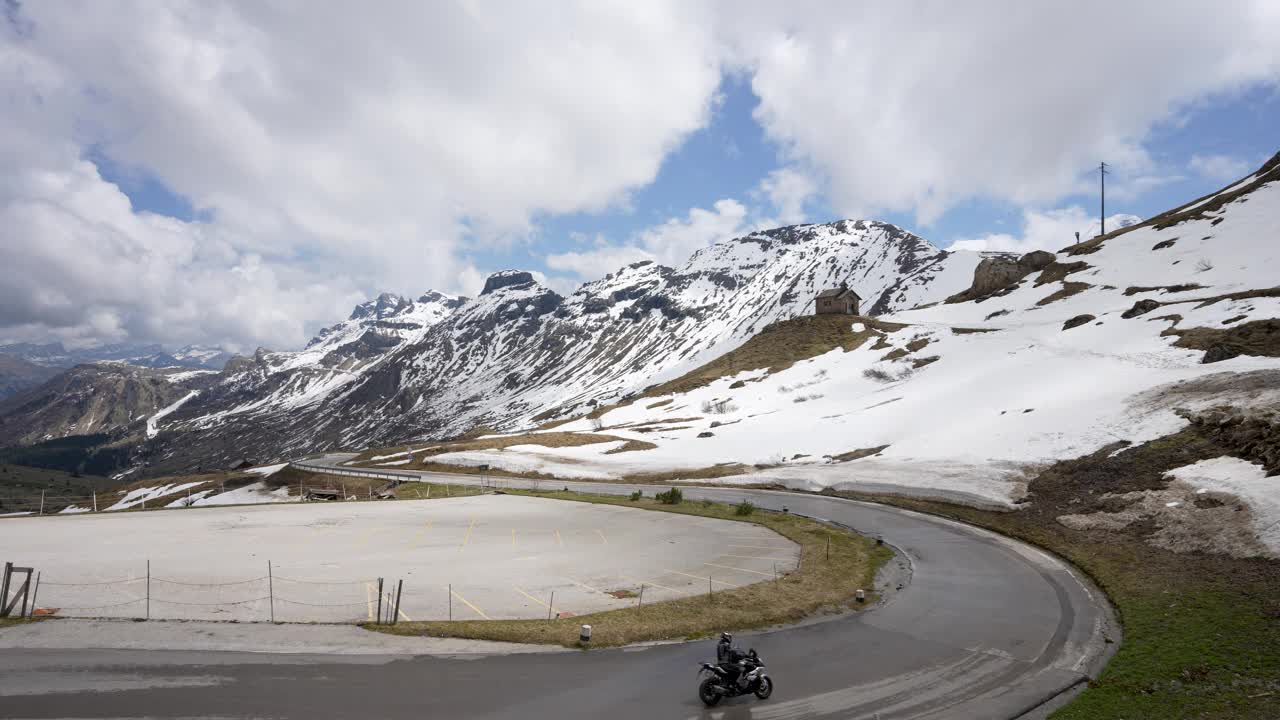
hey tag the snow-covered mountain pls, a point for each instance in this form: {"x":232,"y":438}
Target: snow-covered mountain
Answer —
{"x":399,"y":369}
{"x":1164,"y":332}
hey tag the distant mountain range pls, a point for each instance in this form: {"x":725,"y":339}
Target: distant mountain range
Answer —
{"x":55,"y":355}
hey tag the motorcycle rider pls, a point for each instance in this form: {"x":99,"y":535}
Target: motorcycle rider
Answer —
{"x":729,"y":658}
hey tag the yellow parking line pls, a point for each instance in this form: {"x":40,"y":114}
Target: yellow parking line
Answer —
{"x":543,"y":604}
{"x":368,"y":594}
{"x":700,"y":577}
{"x":759,"y":547}
{"x":468,"y":604}
{"x":406,"y":617}
{"x":584,"y":585}
{"x":513,"y":537}
{"x":730,"y":567}
{"x":558,"y":540}
{"x":760,"y":557}
{"x":651,"y":583}
{"x":467,"y":538}
{"x":603,"y":539}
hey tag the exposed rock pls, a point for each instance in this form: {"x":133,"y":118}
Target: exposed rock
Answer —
{"x":1164,"y":244}
{"x":506,"y":278}
{"x":1077,"y":321}
{"x":1142,"y":307}
{"x":1218,"y":353}
{"x":999,"y":272}
{"x":706,"y":434}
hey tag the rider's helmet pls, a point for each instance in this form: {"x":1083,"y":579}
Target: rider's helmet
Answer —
{"x":726,"y":637}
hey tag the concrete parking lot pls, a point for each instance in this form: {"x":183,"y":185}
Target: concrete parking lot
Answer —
{"x":476,"y":557}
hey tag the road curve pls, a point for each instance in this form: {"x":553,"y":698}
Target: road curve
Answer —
{"x":986,"y":628}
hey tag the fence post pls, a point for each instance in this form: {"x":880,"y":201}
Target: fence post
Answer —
{"x":34,"y":593}
{"x":4,"y":586}
{"x":828,"y":546}
{"x":708,"y":586}
{"x":395,"y":617}
{"x":640,"y":604}
{"x":41,"y":502}
{"x":95,"y":501}
{"x":551,"y":605}
{"x":450,"y":601}
{"x":148,"y":589}
{"x":379,"y":615}
{"x":271,"y":590}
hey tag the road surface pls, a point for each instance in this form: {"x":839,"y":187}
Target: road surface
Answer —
{"x":985,"y":628}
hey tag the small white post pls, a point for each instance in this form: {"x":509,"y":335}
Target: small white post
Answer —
{"x":95,"y":501}
{"x":41,"y":506}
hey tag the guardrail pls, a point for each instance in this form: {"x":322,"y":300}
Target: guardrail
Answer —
{"x":352,"y":472}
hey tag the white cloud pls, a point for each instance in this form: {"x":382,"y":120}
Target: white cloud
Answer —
{"x":338,"y":151}
{"x":918,"y":111}
{"x":670,"y":243}
{"x":1049,"y":230}
{"x":788,"y":190}
{"x":1223,"y":168}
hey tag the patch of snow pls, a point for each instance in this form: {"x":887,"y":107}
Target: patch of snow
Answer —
{"x":267,"y":469}
{"x":1247,"y":481}
{"x":74,"y":510}
{"x":247,"y":495}
{"x":405,"y":461}
{"x":138,"y":496}
{"x":153,"y":421}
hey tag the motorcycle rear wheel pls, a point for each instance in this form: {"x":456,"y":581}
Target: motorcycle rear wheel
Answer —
{"x":707,"y":693}
{"x":764,"y":688}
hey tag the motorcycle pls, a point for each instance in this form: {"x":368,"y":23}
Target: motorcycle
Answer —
{"x":715,"y":684}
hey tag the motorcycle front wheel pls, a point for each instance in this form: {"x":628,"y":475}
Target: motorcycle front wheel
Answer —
{"x":764,"y":688}
{"x":708,"y":694}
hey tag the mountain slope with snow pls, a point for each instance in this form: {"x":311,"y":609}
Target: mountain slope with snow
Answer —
{"x":1127,"y":338}
{"x":521,"y":351}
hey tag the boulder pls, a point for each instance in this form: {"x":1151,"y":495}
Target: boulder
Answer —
{"x":1077,"y":321}
{"x":998,"y":272}
{"x":1142,"y":307}
{"x":1218,"y":353}
{"x":705,"y":433}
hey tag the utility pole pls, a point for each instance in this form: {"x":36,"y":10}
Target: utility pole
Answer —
{"x":1102,"y":178}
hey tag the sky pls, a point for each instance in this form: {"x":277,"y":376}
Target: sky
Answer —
{"x":243,"y":173}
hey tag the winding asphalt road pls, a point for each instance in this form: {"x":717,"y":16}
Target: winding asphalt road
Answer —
{"x":985,"y":627}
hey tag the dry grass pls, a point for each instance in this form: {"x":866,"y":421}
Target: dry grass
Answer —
{"x":632,"y":446}
{"x":1260,"y":337}
{"x":857,"y":454}
{"x":435,"y":491}
{"x":1056,"y":271}
{"x":820,"y":584}
{"x":1068,"y":289}
{"x":1136,"y":289}
{"x":775,"y":348}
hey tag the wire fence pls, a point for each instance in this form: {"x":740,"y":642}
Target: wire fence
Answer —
{"x":264,"y":598}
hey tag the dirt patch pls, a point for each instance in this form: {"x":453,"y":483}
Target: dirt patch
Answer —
{"x":973,"y":331}
{"x":632,"y":446}
{"x":659,"y":404}
{"x":545,"y":439}
{"x":1068,"y":289}
{"x":921,"y":362}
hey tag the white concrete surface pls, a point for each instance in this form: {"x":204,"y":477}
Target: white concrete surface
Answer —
{"x":503,"y":556}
